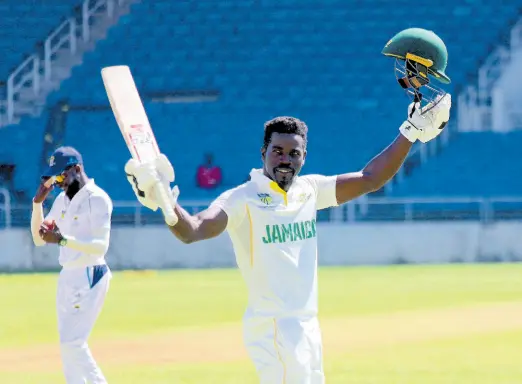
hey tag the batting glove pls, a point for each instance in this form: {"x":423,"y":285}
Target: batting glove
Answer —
{"x":425,"y":124}
{"x":141,"y":178}
{"x":144,"y":176}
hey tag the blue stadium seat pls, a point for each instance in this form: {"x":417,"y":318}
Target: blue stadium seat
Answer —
{"x":475,"y":164}
{"x":24,"y":24}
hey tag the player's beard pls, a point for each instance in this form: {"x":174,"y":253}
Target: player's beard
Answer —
{"x":284,"y":180}
{"x":72,"y":189}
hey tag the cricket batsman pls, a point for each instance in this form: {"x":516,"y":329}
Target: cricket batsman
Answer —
{"x":271,"y":219}
{"x":79,"y":222}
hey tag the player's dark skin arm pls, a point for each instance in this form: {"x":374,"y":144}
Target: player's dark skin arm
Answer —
{"x":375,"y":174}
{"x":205,"y":225}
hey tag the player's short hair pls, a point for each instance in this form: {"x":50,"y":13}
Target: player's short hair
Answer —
{"x":285,"y":124}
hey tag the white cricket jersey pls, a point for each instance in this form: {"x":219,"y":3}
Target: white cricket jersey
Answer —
{"x":274,"y":235}
{"x":86,"y":217}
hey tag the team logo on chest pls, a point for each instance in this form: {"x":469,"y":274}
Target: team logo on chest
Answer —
{"x":265,"y":198}
{"x":304,"y":197}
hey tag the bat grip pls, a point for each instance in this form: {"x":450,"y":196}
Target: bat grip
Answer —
{"x":165,"y":204}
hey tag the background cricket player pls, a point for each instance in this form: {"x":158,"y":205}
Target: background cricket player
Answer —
{"x":79,"y":222}
{"x":271,"y":219}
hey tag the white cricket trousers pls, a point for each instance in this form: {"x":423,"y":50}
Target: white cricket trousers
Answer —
{"x":79,"y":301}
{"x":285,"y":350}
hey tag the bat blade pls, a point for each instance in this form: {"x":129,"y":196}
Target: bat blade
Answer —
{"x":129,"y":112}
{"x":131,"y":117}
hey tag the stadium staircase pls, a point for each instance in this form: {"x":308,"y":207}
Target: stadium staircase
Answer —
{"x":53,"y":37}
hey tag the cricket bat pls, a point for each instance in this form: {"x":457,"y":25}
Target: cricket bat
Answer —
{"x":132,"y":119}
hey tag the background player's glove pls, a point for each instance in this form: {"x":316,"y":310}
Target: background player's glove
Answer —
{"x":427,"y":125}
{"x":143,"y":177}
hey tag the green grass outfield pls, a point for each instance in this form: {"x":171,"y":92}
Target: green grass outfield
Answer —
{"x":384,"y":325}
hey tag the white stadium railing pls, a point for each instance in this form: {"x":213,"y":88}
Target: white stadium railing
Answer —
{"x":481,"y":106}
{"x":37,"y":68}
{"x":131,"y":213}
{"x":430,"y":208}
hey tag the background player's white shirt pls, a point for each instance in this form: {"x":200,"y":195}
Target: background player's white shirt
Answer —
{"x":86,"y":217}
{"x":274,"y":235}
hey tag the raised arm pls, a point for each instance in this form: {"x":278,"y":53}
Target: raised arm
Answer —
{"x":375,"y":174}
{"x":37,"y":218}
{"x":205,"y":225}
{"x":384,"y":166}
{"x":37,"y":215}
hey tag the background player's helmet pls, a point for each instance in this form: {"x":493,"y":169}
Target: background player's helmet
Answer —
{"x":420,"y":55}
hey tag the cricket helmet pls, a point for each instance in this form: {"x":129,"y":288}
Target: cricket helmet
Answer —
{"x":420,"y":55}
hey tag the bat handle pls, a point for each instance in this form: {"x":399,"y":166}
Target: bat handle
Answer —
{"x":165,"y":204}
